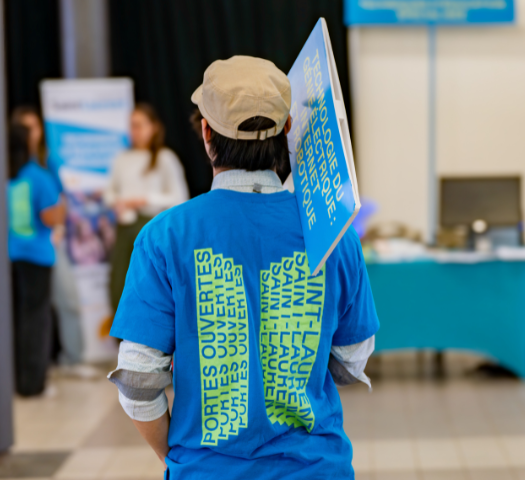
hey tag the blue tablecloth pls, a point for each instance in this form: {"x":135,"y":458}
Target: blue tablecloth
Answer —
{"x":478,"y":307}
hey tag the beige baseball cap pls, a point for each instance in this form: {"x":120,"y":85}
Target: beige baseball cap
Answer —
{"x":240,"y":88}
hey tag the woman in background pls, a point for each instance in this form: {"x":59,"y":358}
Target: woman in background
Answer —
{"x":29,"y":117}
{"x":34,"y":208}
{"x":64,"y":295}
{"x":145,"y":180}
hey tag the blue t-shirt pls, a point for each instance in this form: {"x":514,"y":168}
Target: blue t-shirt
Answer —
{"x":222,"y":282}
{"x":32,"y":191}
{"x":53,"y":166}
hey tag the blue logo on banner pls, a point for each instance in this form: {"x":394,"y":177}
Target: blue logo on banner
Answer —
{"x":425,"y":12}
{"x":81,"y":148}
{"x":320,"y":173}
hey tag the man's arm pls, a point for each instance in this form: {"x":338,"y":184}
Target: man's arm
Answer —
{"x":55,"y":215}
{"x":354,"y":340}
{"x":156,"y":434}
{"x":141,"y":377}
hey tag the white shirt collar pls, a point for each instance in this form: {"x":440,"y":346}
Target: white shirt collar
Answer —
{"x":260,"y":181}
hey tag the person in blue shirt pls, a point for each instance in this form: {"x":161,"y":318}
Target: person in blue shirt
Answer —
{"x":29,"y":117}
{"x":220,"y":291}
{"x":64,"y":294}
{"x":34,"y":207}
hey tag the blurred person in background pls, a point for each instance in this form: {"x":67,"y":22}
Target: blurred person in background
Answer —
{"x":145,"y":180}
{"x":34,"y":208}
{"x":64,"y":294}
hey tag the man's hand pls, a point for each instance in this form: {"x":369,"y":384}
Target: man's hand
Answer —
{"x":156,"y":434}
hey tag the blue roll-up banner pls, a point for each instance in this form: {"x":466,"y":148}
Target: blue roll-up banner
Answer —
{"x":321,"y":151}
{"x":427,"y":12}
{"x":87,"y":125}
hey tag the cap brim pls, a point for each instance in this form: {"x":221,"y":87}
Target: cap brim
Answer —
{"x":197,"y":96}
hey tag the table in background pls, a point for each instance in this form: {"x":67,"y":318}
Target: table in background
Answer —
{"x":478,"y":307}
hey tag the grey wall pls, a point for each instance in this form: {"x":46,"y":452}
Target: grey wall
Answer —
{"x":6,"y":338}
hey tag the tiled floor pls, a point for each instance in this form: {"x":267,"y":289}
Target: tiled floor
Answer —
{"x":413,"y":426}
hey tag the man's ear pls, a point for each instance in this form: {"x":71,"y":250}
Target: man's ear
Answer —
{"x":206,"y":131}
{"x":288,"y":125}
{"x":206,"y":136}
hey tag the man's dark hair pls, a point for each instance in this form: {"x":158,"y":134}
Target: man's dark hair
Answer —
{"x":251,"y":155}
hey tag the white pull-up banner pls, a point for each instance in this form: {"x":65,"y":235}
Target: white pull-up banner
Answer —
{"x":87,"y":125}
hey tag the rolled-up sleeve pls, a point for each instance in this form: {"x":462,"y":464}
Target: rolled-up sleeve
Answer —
{"x":347,"y":364}
{"x":142,"y":375}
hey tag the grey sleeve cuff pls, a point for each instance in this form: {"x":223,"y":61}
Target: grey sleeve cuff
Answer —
{"x":141,"y":377}
{"x":142,"y":386}
{"x":347,"y":364}
{"x":339,"y":373}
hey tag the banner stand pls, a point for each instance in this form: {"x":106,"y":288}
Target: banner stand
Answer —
{"x":87,"y":126}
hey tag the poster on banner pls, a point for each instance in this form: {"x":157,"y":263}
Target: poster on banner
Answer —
{"x":427,"y":12}
{"x":321,"y":156}
{"x":87,"y":125}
